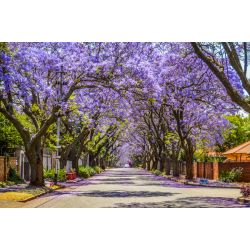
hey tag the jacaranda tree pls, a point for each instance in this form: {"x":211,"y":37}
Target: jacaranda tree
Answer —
{"x":157,"y":100}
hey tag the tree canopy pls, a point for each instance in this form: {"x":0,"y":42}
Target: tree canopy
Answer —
{"x":122,"y":101}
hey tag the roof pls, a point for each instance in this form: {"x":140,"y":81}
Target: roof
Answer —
{"x":214,"y":154}
{"x":241,"y":149}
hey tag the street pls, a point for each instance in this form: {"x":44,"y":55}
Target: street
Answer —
{"x":136,"y":188}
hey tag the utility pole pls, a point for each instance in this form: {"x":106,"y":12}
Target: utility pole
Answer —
{"x":58,"y":147}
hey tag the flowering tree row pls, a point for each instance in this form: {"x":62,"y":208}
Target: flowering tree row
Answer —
{"x":161,"y":99}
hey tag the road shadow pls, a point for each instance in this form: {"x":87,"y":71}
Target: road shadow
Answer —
{"x":122,"y":194}
{"x":110,"y":179}
{"x":121,"y":174}
{"x":170,"y":184}
{"x":113,"y":183}
{"x":135,"y":176}
{"x":189,"y":202}
{"x":110,"y":194}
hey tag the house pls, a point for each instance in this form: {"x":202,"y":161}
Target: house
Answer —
{"x":240,"y":153}
{"x":214,"y":154}
{"x":7,"y":162}
{"x":49,"y":162}
{"x":19,"y":161}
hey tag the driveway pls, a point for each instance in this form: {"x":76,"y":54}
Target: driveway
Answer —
{"x":136,"y":188}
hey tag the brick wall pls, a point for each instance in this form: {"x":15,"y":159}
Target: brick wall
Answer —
{"x":195,"y":169}
{"x":212,"y":170}
{"x":205,"y":170}
{"x":5,"y":165}
{"x":215,"y":170}
{"x":2,"y":168}
{"x":227,"y":166}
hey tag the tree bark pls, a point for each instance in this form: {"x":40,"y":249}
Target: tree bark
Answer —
{"x":35,"y":158}
{"x":220,"y":74}
{"x":155,"y":163}
{"x":63,"y":161}
{"x":75,"y":164}
{"x":167,"y":168}
{"x":91,"y":159}
{"x":162,"y":162}
{"x":102,"y":163}
{"x":189,"y":165}
{"x":176,"y":169}
{"x":148,"y":164}
{"x":72,"y":149}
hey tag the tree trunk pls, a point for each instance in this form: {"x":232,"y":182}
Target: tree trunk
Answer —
{"x":167,"y":171}
{"x":176,"y":169}
{"x":91,"y":160}
{"x":149,"y":159}
{"x":155,"y":163}
{"x":162,"y":162}
{"x":189,"y":165}
{"x":35,"y":158}
{"x":148,"y":165}
{"x":75,"y":164}
{"x":63,"y":161}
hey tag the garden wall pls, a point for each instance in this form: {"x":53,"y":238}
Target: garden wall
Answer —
{"x":227,"y":166}
{"x":5,"y":164}
{"x":2,"y":168}
{"x":212,"y":170}
{"x":208,"y":170}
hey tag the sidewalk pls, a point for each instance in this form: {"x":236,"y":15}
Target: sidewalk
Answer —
{"x":31,"y":193}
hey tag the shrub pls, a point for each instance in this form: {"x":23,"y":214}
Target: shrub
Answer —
{"x":10,"y":183}
{"x":91,"y":170}
{"x":61,"y":175}
{"x":13,"y":176}
{"x":83,"y":172}
{"x":97,"y":169}
{"x":232,"y":175}
{"x":157,"y":172}
{"x":50,"y":174}
{"x":245,"y":190}
{"x":86,"y":171}
{"x":2,"y":184}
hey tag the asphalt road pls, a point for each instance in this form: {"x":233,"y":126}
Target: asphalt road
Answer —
{"x":136,"y":188}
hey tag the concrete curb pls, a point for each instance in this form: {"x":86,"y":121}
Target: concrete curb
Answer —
{"x":243,"y":199}
{"x":201,"y":185}
{"x":61,"y":187}
{"x":46,"y":192}
{"x":193,"y":184}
